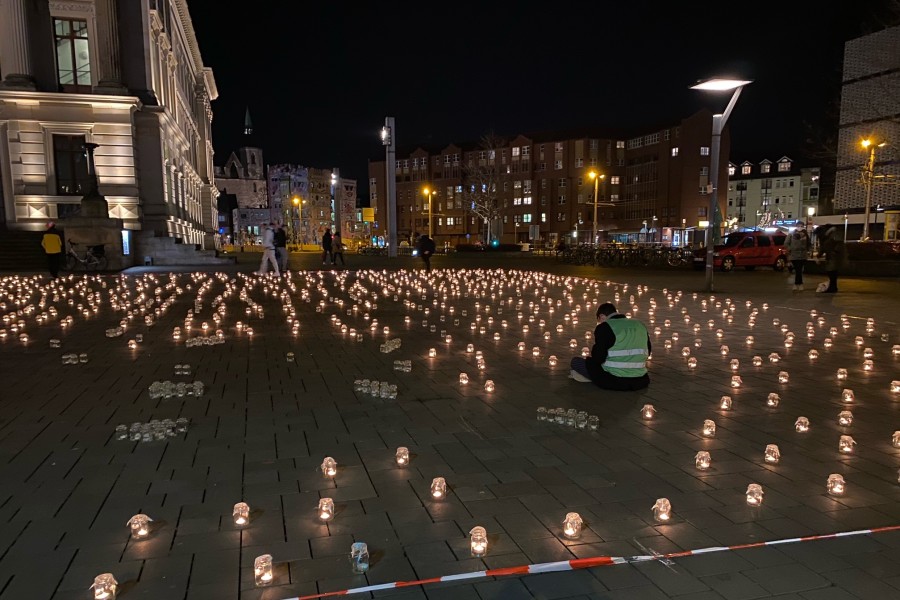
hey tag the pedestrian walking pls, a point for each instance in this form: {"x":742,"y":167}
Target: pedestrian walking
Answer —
{"x":326,"y":246}
{"x":52,"y":245}
{"x":798,"y":245}
{"x":425,"y":249}
{"x":268,"y":244}
{"x":337,"y":248}
{"x":280,"y":241}
{"x":835,"y":251}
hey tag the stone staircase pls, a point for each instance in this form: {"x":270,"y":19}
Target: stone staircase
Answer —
{"x":169,"y":252}
{"x":21,"y":251}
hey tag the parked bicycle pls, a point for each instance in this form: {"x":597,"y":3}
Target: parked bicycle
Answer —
{"x":93,"y":258}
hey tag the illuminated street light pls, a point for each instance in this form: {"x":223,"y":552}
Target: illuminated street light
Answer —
{"x":868,"y":176}
{"x":719,"y":120}
{"x":299,"y":205}
{"x":596,"y":177}
{"x":429,"y":193}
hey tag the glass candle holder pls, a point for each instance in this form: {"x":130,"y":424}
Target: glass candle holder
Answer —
{"x":662,"y":510}
{"x":478,"y":541}
{"x":774,"y":357}
{"x":709,"y":428}
{"x":757,"y":361}
{"x":868,"y":365}
{"x":773,"y":399}
{"x":735,"y":364}
{"x":895,"y":439}
{"x":895,"y":386}
{"x":783,"y":377}
{"x":686,"y":351}
{"x":585,"y":352}
{"x":813,"y":354}
{"x":845,"y":444}
{"x":521,"y":346}
{"x":648,"y":411}
{"x":667,"y":344}
{"x":801,"y":425}
{"x":262,"y":570}
{"x":241,"y":514}
{"x":842,"y":374}
{"x":401,"y":457}
{"x":723,"y":350}
{"x":702,"y":460}
{"x":463,"y":378}
{"x":140,"y":526}
{"x":736,"y":381}
{"x":593,"y":422}
{"x":553,"y":360}
{"x":725,"y":403}
{"x":692,"y":363}
{"x":359,"y":557}
{"x":847,"y":396}
{"x":835,"y":485}
{"x":438,"y":488}
{"x":773,"y":454}
{"x":749,"y":340}
{"x":105,"y":587}
{"x":325,"y":510}
{"x":845,"y":418}
{"x":754,"y":494}
{"x":432,"y":352}
{"x":489,"y":385}
{"x":329,"y":467}
{"x":572,"y":525}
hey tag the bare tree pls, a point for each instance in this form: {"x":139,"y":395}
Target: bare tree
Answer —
{"x":481,"y":189}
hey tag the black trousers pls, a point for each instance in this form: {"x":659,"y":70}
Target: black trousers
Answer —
{"x":798,"y":270}
{"x":53,"y":262}
{"x":832,"y":281}
{"x":335,"y":256}
{"x":426,"y":258}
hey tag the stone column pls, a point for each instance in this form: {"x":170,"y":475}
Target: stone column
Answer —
{"x":14,"y":46}
{"x":109,"y":63}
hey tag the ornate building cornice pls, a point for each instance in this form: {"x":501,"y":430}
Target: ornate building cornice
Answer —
{"x":72,"y":7}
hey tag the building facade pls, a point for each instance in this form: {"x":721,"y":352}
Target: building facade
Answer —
{"x":870,"y":109}
{"x":244,"y":176}
{"x":655,"y":187}
{"x":310,"y":200}
{"x":764,"y":192}
{"x":126,"y":75}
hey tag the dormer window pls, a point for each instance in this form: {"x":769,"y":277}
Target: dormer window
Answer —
{"x":784,"y":166}
{"x":765,"y":168}
{"x":731,"y":170}
{"x":745,"y":170}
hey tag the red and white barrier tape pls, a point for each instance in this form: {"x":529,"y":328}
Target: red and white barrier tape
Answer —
{"x":585,"y":563}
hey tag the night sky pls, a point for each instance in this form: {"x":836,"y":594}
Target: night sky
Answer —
{"x":319,"y":77}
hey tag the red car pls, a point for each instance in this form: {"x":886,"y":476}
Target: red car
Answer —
{"x":748,"y":249}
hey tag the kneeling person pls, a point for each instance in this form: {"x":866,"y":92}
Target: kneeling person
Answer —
{"x":618,"y":360}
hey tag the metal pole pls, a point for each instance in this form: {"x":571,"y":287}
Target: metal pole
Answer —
{"x":594,"y":230}
{"x":870,"y":172}
{"x":717,"y":126}
{"x":430,"y":212}
{"x":391,"y":185}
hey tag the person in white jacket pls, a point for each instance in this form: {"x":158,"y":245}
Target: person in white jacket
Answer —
{"x":268,"y":243}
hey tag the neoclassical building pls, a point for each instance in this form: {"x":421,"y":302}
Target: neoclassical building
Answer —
{"x":127,"y":75}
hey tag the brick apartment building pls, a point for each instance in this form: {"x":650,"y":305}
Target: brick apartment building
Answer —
{"x":655,"y":188}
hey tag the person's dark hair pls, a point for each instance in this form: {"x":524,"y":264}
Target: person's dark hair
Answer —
{"x":607,"y":308}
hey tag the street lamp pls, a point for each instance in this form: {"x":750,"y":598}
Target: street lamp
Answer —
{"x":810,"y":211}
{"x":429,"y":193}
{"x":596,"y":177}
{"x":299,"y":204}
{"x":869,"y":176}
{"x":719,"y":120}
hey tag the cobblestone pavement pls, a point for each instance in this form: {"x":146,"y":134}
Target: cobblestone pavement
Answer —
{"x":264,"y":423}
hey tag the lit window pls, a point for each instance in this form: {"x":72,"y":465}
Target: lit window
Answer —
{"x":765,"y":168}
{"x":731,"y":170}
{"x":515,"y":151}
{"x":675,"y":151}
{"x":784,"y":166}
{"x":614,"y":180}
{"x":704,"y":150}
{"x":73,"y":64}
{"x":745,"y":170}
{"x":543,"y":217}
{"x":620,"y":144}
{"x":527,"y":218}
{"x":557,"y":165}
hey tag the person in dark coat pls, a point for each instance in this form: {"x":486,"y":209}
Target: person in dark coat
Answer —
{"x":280,"y":240}
{"x":425,"y":249}
{"x":835,"y":251}
{"x":618,"y":360}
{"x":327,"y":256}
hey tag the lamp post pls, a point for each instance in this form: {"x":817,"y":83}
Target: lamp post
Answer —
{"x":653,"y":230}
{"x":388,"y":140}
{"x":718,"y":125}
{"x":299,"y":204}
{"x":596,"y":177}
{"x":810,"y":211}
{"x":869,"y":175}
{"x":429,"y":193}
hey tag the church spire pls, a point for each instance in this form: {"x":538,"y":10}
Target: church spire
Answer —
{"x":248,"y":124}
